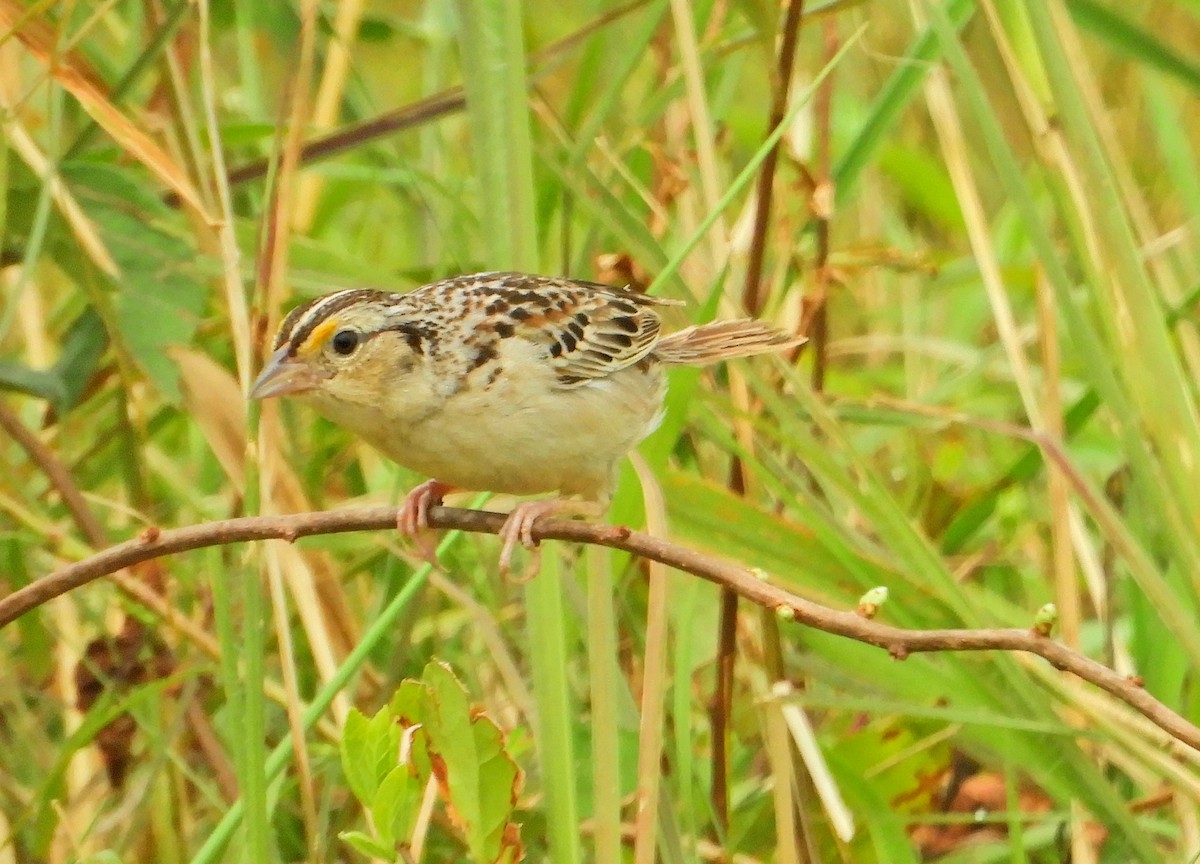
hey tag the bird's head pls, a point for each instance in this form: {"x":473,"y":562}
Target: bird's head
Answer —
{"x":350,"y":348}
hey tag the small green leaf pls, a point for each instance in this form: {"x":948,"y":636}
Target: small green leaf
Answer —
{"x":448,"y":695}
{"x":367,"y":846}
{"x":924,"y":184}
{"x":33,"y":382}
{"x":466,"y":753}
{"x":448,"y":725}
{"x":82,"y":348}
{"x":352,"y":745}
{"x":1045,"y":619}
{"x":409,"y":707}
{"x":481,"y":779}
{"x":499,"y":784}
{"x":369,"y":751}
{"x":396,"y":804}
{"x":408,"y":703}
{"x":869,"y":603}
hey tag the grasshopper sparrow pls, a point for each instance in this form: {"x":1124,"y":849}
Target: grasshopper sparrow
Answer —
{"x":501,"y":382}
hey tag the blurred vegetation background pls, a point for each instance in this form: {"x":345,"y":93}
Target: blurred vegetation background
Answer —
{"x":982,"y":212}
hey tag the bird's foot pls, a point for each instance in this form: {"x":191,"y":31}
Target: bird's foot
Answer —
{"x":518,"y":528}
{"x":413,"y":519}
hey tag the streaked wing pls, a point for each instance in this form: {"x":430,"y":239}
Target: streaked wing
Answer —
{"x":602,"y":332}
{"x":589,"y":330}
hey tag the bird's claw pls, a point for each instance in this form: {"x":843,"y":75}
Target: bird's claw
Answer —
{"x":518,"y":528}
{"x":413,"y":519}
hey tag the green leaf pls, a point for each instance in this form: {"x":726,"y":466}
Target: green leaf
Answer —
{"x":480,"y":779}
{"x":369,"y":750}
{"x":407,"y":704}
{"x":351,"y":747}
{"x":448,"y":725}
{"x":82,"y":348}
{"x":33,"y":382}
{"x":396,"y":804}
{"x":410,"y":707}
{"x":157,"y":307}
{"x":1142,"y":45}
{"x":367,"y":846}
{"x":499,"y":785}
{"x":925,"y":185}
{"x":161,"y":291}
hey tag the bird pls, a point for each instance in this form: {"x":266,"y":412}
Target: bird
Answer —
{"x":500,"y":381}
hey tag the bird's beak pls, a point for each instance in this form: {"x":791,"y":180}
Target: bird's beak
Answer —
{"x":283,"y":375}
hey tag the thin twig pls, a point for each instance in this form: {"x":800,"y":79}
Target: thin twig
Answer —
{"x":58,"y":475}
{"x":752,"y":585}
{"x":440,"y":104}
{"x":140,"y":590}
{"x":753,"y":297}
{"x":753,"y":300}
{"x":822,"y":207}
{"x":721,"y":709}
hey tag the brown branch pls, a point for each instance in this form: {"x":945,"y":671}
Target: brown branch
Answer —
{"x":438,"y":105}
{"x":57,"y":473}
{"x":821,"y":204}
{"x":753,"y":298}
{"x":750,"y":584}
{"x":753,"y":301}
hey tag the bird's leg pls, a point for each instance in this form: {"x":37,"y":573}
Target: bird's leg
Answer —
{"x":518,"y":528}
{"x":414,"y":513}
{"x":413,"y":518}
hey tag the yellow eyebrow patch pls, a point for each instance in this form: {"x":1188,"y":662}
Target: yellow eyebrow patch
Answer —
{"x":318,"y":337}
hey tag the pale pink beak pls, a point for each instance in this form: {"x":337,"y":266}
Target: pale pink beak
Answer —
{"x":283,"y":375}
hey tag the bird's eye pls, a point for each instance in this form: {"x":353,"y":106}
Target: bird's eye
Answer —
{"x":345,"y":341}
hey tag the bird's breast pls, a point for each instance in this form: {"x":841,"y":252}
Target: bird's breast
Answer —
{"x":525,"y":434}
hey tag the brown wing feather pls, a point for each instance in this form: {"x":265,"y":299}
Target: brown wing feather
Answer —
{"x":601,"y":336}
{"x":723,"y":340}
{"x":589,"y":330}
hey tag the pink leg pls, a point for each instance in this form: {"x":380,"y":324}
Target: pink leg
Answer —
{"x":519,"y":525}
{"x":414,"y":514}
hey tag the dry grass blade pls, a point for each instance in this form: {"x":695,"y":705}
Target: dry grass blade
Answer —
{"x":76,"y":217}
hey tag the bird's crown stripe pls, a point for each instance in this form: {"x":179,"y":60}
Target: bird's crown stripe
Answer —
{"x":319,"y":311}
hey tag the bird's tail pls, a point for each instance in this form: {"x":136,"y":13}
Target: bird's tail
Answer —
{"x":723,"y":340}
